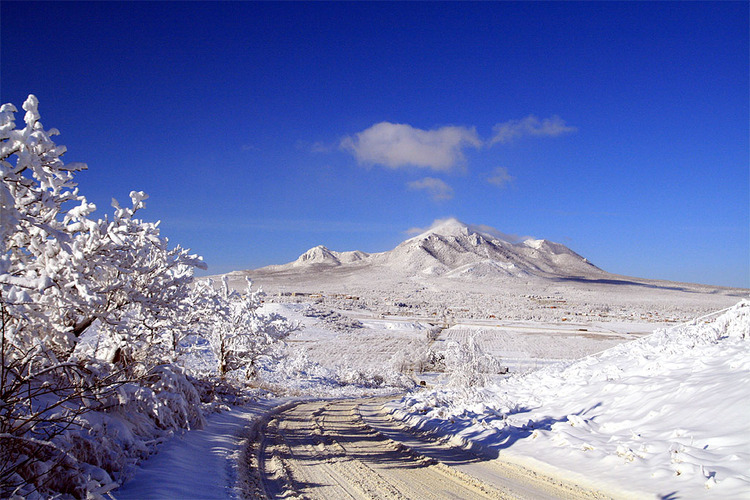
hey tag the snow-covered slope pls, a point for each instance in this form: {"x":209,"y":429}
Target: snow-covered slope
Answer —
{"x":317,"y":255}
{"x":457,"y":248}
{"x":665,"y":415}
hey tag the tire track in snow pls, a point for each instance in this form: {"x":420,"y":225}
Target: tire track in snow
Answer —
{"x":324,"y":449}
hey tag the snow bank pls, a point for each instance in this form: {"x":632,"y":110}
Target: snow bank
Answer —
{"x":99,"y":449}
{"x":201,"y":463}
{"x":665,"y":415}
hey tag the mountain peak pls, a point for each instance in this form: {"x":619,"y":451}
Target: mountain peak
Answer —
{"x":454,"y":249}
{"x":454,"y":227}
{"x":446,"y":227}
{"x":318,"y":255}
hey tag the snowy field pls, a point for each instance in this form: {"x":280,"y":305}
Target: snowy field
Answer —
{"x":376,"y":342}
{"x":524,"y":346}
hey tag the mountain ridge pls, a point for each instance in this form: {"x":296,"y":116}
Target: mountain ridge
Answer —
{"x":454,"y":249}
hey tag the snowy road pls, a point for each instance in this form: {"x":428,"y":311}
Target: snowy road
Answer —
{"x":330,"y":449}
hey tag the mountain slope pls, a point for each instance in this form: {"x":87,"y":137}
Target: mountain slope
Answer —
{"x":455,"y":249}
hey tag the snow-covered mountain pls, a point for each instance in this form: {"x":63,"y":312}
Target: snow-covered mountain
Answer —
{"x":455,"y":249}
{"x":322,"y":255}
{"x":478,"y":272}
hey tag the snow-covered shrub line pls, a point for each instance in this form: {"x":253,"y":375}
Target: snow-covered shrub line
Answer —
{"x":96,"y":314}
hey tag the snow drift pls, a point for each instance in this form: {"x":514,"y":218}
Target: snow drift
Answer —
{"x":663,"y":415}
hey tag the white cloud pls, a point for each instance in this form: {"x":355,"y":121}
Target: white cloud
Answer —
{"x":397,"y":145}
{"x":439,"y":190}
{"x":500,"y":177}
{"x":530,"y":126}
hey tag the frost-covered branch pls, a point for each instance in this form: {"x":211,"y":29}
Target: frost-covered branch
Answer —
{"x":236,"y":328}
{"x":63,"y":271}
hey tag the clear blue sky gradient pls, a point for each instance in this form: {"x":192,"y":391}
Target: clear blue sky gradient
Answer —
{"x":231,"y":117}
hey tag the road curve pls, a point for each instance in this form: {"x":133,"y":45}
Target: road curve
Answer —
{"x":331,"y":450}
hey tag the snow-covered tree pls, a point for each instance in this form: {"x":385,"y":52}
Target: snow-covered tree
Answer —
{"x":66,"y":277}
{"x":237,"y":329}
{"x":60,"y":271}
{"x":467,"y":365}
{"x":60,"y":268}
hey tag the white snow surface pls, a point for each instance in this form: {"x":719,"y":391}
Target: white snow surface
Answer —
{"x":200,"y":463}
{"x":664,"y":416}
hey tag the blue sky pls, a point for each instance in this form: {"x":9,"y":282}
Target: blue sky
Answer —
{"x":262,"y":129}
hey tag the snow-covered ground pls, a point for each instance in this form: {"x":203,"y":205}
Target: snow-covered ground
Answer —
{"x":524,"y":346}
{"x":199,"y":464}
{"x":657,"y":415}
{"x":664,"y":416}
{"x":337,"y":354}
{"x":370,"y":342}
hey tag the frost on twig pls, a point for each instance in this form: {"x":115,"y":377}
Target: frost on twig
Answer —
{"x":96,"y":314}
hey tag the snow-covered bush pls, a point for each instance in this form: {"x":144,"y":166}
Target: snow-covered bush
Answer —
{"x":41,"y":400}
{"x":62,"y":270}
{"x":235,"y":326}
{"x":296,"y":374}
{"x":64,"y":273}
{"x":467,"y":366}
{"x":418,"y":360}
{"x":100,"y":445}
